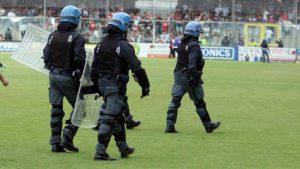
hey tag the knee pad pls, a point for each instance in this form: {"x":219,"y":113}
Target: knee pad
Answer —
{"x":175,"y":102}
{"x":57,"y":114}
{"x":105,"y":126}
{"x":105,"y":131}
{"x":171,"y":116}
{"x":57,"y":111}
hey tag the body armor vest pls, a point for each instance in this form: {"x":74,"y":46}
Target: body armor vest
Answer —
{"x":108,"y":56}
{"x":183,"y":56}
{"x":62,"y":49}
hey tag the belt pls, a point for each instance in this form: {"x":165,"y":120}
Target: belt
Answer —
{"x":62,"y":72}
{"x":182,"y":70}
{"x":107,"y":75}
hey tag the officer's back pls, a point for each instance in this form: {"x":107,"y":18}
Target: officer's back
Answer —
{"x":114,"y":54}
{"x":189,"y":49}
{"x":112,"y":59}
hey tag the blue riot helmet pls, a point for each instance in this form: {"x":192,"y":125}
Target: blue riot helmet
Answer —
{"x":121,"y":20}
{"x":70,"y":14}
{"x":193,"y":28}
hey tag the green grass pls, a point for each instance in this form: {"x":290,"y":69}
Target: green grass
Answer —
{"x":257,"y":103}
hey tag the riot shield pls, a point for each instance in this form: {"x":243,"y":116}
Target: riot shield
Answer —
{"x":87,"y":107}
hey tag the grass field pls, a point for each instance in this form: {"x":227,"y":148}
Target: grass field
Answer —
{"x":258,"y":105}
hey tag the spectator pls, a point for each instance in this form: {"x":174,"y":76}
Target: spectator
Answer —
{"x":271,"y":19}
{"x":265,"y":51}
{"x":291,"y":14}
{"x":239,"y":8}
{"x":2,"y":11}
{"x":206,"y":31}
{"x":265,"y":16}
{"x":279,"y":43}
{"x":8,"y":35}
{"x":158,"y":26}
{"x":1,"y":37}
{"x":241,"y":41}
{"x":171,"y":46}
{"x":253,"y":43}
{"x":165,"y":26}
{"x":225,"y":41}
{"x":11,"y":13}
{"x":177,"y":41}
{"x":203,"y":41}
{"x":216,"y":30}
{"x":165,"y":37}
{"x":269,"y":35}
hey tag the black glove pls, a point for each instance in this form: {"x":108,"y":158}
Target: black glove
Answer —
{"x":145,"y":92}
{"x":76,"y":78}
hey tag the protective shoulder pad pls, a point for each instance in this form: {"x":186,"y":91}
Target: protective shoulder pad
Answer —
{"x":74,"y":35}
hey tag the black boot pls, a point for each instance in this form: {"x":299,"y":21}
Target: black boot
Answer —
{"x":67,"y":144}
{"x":211,"y":126}
{"x":172,"y":117}
{"x":125,"y":153}
{"x":132,"y":123}
{"x":68,"y":135}
{"x":104,"y":157}
{"x":101,"y":153}
{"x":56,"y":148}
{"x":170,"y":129}
{"x":124,"y":149}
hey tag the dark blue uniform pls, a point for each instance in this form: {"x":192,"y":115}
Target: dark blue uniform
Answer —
{"x":64,"y":53}
{"x":187,"y":77}
{"x":265,"y":51}
{"x":112,"y":58}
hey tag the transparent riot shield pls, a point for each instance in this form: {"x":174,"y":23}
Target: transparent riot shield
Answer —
{"x":87,"y":107}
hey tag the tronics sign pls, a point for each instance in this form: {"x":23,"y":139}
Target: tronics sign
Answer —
{"x":223,"y":53}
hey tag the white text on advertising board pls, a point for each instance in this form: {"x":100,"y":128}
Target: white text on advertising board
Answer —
{"x":9,"y":46}
{"x":217,"y":52}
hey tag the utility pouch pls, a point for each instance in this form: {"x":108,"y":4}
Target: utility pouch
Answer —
{"x":122,"y":81}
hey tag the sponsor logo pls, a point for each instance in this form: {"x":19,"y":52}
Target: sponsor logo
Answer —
{"x":9,"y":46}
{"x":218,"y":53}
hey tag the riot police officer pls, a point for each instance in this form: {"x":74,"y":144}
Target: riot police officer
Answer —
{"x":187,"y":77}
{"x":112,"y":58}
{"x":64,"y":55}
